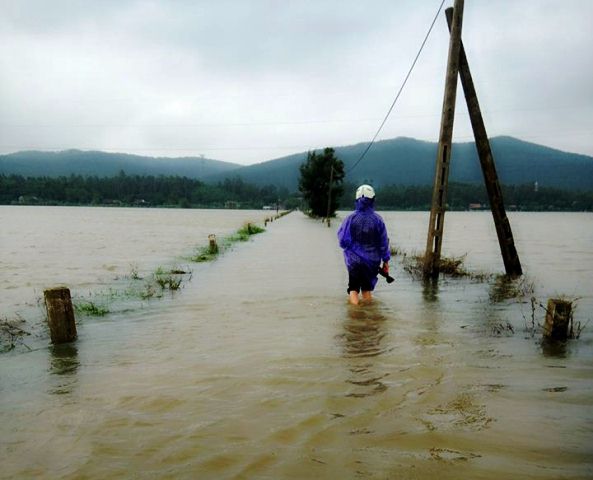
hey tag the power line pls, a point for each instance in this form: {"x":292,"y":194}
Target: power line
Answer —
{"x":400,"y":89}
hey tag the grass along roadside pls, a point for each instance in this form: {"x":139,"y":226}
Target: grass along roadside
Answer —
{"x":139,"y":288}
{"x":128,"y":292}
{"x":502,"y":286}
{"x":136,"y":289}
{"x":534,"y":323}
{"x":502,"y":289}
{"x":413,"y":263}
{"x":213,"y":249}
{"x":12,"y":334}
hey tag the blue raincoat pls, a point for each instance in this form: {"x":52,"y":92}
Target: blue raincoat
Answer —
{"x":363,"y":237}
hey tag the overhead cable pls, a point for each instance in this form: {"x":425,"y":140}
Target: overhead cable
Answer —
{"x":400,"y":90}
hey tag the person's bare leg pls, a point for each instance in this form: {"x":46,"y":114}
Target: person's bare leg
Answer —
{"x":367,"y":296}
{"x":353,"y":297}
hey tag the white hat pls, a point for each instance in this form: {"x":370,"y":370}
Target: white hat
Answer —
{"x":365,"y":191}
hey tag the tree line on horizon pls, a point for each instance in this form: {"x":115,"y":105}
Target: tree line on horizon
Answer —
{"x":136,"y":190}
{"x":461,"y":195}
{"x":183,"y":192}
{"x":323,"y":172}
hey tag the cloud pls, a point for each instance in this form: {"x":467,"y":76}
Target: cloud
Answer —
{"x":250,"y":81}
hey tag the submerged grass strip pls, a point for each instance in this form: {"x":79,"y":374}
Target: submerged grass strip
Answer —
{"x":205,"y":254}
{"x":138,"y":289}
{"x":12,"y":334}
{"x":90,"y":308}
{"x":129,"y":293}
{"x":449,"y":266}
{"x":211,"y":251}
{"x":157,"y":283}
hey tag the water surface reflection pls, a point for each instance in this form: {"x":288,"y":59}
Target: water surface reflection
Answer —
{"x":63,"y":364}
{"x":554,"y":349}
{"x":430,"y":290}
{"x":363,"y":340}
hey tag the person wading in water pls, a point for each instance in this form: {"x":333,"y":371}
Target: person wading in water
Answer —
{"x":363,"y":237}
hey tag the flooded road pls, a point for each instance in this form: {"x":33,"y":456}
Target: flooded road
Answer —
{"x":259,"y":368}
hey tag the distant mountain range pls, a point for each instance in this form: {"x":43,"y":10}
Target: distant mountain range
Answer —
{"x":402,"y":161}
{"x":407,"y":161}
{"x":103,"y":164}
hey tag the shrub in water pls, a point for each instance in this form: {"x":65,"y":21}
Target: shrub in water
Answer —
{"x":91,"y":308}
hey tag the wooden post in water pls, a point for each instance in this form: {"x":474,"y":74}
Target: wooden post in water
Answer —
{"x":558,"y":315}
{"x":60,"y":315}
{"x":212,"y":245}
{"x":434,"y":239}
{"x":510,"y":257}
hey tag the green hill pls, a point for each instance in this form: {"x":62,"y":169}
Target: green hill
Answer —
{"x":399,"y":161}
{"x":406,"y":161}
{"x":103,"y":164}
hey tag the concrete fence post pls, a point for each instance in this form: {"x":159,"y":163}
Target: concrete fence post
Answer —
{"x":558,"y":313}
{"x":212,"y":245}
{"x":60,"y":315}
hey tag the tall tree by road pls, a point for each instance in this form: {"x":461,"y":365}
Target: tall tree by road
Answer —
{"x":315,"y":179}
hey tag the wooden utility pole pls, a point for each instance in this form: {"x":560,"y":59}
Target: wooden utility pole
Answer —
{"x":434,"y":239}
{"x":510,"y":257}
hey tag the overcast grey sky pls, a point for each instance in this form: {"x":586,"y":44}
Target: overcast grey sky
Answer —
{"x":248,"y":81}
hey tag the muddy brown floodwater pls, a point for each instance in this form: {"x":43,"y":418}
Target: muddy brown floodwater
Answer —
{"x":258,"y":368}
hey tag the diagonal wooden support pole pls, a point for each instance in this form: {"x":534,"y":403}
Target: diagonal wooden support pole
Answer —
{"x":509,"y":253}
{"x":432,"y":257}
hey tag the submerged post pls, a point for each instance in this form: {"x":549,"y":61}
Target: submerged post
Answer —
{"x":558,"y":315}
{"x":434,"y":239}
{"x":60,"y":315}
{"x":212,"y":245}
{"x":510,"y":257}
